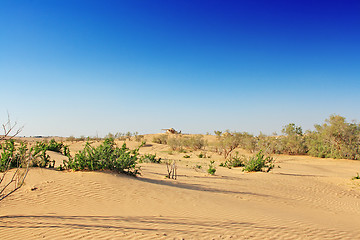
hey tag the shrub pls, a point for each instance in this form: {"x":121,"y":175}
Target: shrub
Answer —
{"x":150,"y":158}
{"x":186,"y":156}
{"x":176,"y":143}
{"x":211,"y":170}
{"x":196,"y":142}
{"x":234,"y":161}
{"x":259,"y":163}
{"x":335,"y":138}
{"x":356,"y":177}
{"x":293,"y":142}
{"x":105,"y":156}
{"x":54,"y":146}
{"x":160,"y":139}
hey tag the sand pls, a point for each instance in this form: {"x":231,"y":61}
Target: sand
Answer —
{"x":304,"y":198}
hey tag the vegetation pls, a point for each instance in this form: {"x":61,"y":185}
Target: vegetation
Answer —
{"x":19,"y":159}
{"x":336,"y":138}
{"x":178,"y":143}
{"x":259,"y":163}
{"x":149,"y":158}
{"x":105,"y":156}
{"x":211,"y":170}
{"x":356,"y":177}
{"x":160,"y":139}
{"x":234,"y":161}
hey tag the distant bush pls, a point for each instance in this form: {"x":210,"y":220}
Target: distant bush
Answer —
{"x":235,"y":161}
{"x":294,"y":141}
{"x":176,"y":143}
{"x":196,"y":142}
{"x":226,"y":144}
{"x":160,"y":139}
{"x":259,"y":163}
{"x":186,"y":156}
{"x":335,"y":139}
{"x":150,"y":158}
{"x":269,"y":144}
{"x":105,"y":156}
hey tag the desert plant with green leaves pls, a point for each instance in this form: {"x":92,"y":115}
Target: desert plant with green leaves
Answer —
{"x":54,"y":146}
{"x":293,"y":142}
{"x":336,"y":138}
{"x":150,"y":158}
{"x":356,"y":177}
{"x":211,"y":170}
{"x":105,"y":156}
{"x":234,"y":161}
{"x":14,"y":162}
{"x":259,"y":163}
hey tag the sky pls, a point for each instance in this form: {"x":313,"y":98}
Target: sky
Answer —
{"x":86,"y":67}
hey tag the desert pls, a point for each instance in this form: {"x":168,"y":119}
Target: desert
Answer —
{"x":302,"y":197}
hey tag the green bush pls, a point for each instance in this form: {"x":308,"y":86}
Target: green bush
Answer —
{"x":293,"y":142}
{"x":105,"y":156}
{"x":335,"y":139}
{"x":54,"y":146}
{"x":150,"y":158}
{"x":259,"y":163}
{"x":356,"y":177}
{"x":211,"y":170}
{"x":234,"y":161}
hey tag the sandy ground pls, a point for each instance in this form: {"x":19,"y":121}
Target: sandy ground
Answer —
{"x":306,"y":198}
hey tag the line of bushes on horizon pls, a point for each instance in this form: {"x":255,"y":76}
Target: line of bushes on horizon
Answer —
{"x":120,"y":136}
{"x":336,"y":138}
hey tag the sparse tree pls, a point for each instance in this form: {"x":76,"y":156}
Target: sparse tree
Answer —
{"x":14,"y":167}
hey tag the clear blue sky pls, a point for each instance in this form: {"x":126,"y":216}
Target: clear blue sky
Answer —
{"x":93,"y":67}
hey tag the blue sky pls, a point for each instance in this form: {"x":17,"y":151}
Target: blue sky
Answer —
{"x":93,"y":67}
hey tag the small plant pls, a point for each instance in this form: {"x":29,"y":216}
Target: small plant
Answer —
{"x":54,"y":146}
{"x":150,"y":158}
{"x":198,"y":166}
{"x":202,"y":155}
{"x":234,"y":161}
{"x":186,"y":156}
{"x":356,"y":177}
{"x":259,"y":163}
{"x":211,"y":170}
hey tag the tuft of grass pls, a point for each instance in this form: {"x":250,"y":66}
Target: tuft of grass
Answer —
{"x":356,"y":177}
{"x":186,"y":156}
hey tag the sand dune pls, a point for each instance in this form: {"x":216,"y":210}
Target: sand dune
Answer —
{"x":306,"y":198}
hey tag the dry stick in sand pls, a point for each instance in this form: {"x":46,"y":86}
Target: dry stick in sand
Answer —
{"x":171,"y":169}
{"x":9,"y":186}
